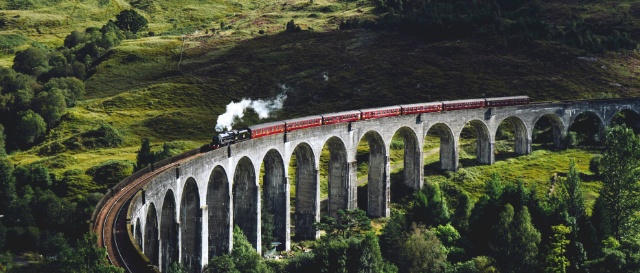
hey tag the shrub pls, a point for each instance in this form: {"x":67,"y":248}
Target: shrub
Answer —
{"x":30,"y":128}
{"x":594,"y":165}
{"x":130,"y":20}
{"x":104,"y":136}
{"x":110,"y":172}
{"x":292,"y":27}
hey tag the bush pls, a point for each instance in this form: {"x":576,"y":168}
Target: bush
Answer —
{"x":110,"y":172}
{"x":30,"y":128}
{"x":104,"y":136}
{"x":130,"y":20}
{"x":594,"y":165}
{"x":292,"y":27}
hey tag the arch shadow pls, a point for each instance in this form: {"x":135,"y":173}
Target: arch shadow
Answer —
{"x":219,"y":212}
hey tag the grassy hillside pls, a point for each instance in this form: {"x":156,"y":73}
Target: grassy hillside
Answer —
{"x":172,"y":82}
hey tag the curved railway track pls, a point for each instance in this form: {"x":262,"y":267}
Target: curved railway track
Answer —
{"x":110,"y":222}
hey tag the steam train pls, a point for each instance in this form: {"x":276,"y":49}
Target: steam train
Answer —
{"x":279,"y":127}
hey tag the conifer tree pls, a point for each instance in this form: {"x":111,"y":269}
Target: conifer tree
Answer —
{"x":556,"y":260}
{"x":620,"y":194}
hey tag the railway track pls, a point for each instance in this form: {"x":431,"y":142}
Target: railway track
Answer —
{"x":110,"y":223}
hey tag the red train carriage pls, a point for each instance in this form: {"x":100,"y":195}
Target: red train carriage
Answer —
{"x":271,"y":128}
{"x":463,"y":104}
{"x":504,"y":101}
{"x":302,"y":123}
{"x":408,"y":109}
{"x":381,"y":112}
{"x":347,"y":116}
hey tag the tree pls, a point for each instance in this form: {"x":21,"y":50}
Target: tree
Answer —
{"x":32,"y":61}
{"x":85,"y":258}
{"x":30,"y":128}
{"x":423,"y":252}
{"x":393,"y":237}
{"x":243,"y":258}
{"x":110,"y":172}
{"x":7,"y":185}
{"x":620,"y":194}
{"x":51,"y":106}
{"x":349,"y":223}
{"x":73,"y":88}
{"x":574,"y":199}
{"x":3,"y":152}
{"x":130,"y":20}
{"x":35,"y":176}
{"x":556,"y":260}
{"x":145,"y":156}
{"x":485,"y":214}
{"x":370,"y":258}
{"x":515,"y":241}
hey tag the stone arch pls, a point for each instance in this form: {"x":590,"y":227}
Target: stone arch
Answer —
{"x":275,"y":195}
{"x":598,"y":135}
{"x":629,"y":117}
{"x":484,"y":146}
{"x":307,"y":210}
{"x":168,"y":232}
{"x":378,"y":194}
{"x":522,"y":143}
{"x":191,"y":226}
{"x":219,"y":212}
{"x":151,"y":240}
{"x":557,"y":128}
{"x":338,"y":176}
{"x":448,"y":147}
{"x":412,"y":158}
{"x":246,"y":201}
{"x":138,"y":233}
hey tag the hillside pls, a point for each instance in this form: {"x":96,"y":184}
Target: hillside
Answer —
{"x":171,"y":83}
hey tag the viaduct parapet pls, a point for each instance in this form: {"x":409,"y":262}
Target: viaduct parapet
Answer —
{"x":186,"y":214}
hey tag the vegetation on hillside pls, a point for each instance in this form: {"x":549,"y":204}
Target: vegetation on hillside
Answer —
{"x":83,"y":83}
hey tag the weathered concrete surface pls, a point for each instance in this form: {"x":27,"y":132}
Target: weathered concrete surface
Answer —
{"x":187,"y":213}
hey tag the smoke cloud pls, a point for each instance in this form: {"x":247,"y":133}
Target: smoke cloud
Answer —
{"x":236,"y":110}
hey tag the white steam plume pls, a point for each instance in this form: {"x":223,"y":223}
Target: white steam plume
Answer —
{"x":236,"y":110}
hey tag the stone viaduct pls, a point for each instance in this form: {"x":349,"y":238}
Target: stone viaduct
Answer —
{"x":186,"y":214}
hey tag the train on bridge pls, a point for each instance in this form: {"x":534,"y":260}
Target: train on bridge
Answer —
{"x":285,"y":126}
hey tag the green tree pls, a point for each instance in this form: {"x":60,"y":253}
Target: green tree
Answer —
{"x":556,"y":260}
{"x":85,"y":258}
{"x":620,"y":173}
{"x":145,"y":156}
{"x":574,"y":199}
{"x":349,"y":223}
{"x":131,"y":20}
{"x":34,"y":175}
{"x":3,"y":151}
{"x":243,"y":258}
{"x":32,"y":61}
{"x":30,"y":128}
{"x":515,"y":241}
{"x":423,"y":253}
{"x":393,"y":236}
{"x":110,"y":172}
{"x":73,"y":88}
{"x":7,"y":185}
{"x":370,"y":258}
{"x":51,"y":106}
{"x":485,"y":214}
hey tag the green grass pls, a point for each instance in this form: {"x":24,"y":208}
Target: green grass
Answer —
{"x":536,"y":169}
